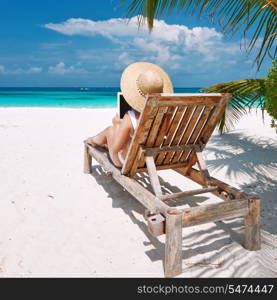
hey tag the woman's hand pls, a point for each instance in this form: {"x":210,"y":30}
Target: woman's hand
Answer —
{"x":116,"y":120}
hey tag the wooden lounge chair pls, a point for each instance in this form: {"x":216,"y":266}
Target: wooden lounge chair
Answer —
{"x":172,"y":132}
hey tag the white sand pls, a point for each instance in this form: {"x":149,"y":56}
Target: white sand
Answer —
{"x":56,"y":221}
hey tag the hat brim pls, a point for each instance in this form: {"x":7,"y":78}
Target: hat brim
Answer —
{"x":129,"y":87}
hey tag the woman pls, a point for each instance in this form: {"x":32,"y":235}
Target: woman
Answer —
{"x":137,"y":80}
{"x":117,"y":137}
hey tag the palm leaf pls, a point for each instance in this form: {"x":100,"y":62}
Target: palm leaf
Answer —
{"x":256,"y":18}
{"x":247,"y":93}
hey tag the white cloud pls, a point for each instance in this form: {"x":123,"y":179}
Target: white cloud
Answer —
{"x":167,"y":45}
{"x":125,"y":58}
{"x":163,"y":52}
{"x":61,"y":69}
{"x":20,"y":70}
{"x":108,"y":28}
{"x":28,"y":71}
{"x":186,"y":53}
{"x":35,"y":70}
{"x":118,"y":28}
{"x":51,"y":46}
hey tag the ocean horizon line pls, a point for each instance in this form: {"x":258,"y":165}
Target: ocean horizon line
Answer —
{"x":80,"y":87}
{"x":93,"y":97}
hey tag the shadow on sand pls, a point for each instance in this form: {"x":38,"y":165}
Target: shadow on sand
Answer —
{"x":207,"y":251}
{"x":257,"y":160}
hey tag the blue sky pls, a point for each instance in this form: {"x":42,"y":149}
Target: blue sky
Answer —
{"x":88,"y":43}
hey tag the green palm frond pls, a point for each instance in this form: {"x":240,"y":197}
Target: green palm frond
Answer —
{"x":256,"y":18}
{"x":247,"y":93}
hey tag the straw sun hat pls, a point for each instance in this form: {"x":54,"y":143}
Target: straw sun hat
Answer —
{"x":140,"y":79}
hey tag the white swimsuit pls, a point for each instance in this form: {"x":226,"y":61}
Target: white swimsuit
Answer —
{"x":132,"y":116}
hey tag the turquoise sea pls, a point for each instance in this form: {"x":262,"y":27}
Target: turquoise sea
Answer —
{"x":65,"y":97}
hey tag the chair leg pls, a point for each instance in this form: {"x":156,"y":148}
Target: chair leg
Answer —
{"x":252,"y":226}
{"x":203,"y":168}
{"x":173,"y":244}
{"x":87,"y":161}
{"x":153,"y":175}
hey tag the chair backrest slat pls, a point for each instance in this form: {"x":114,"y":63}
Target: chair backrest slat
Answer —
{"x":196,"y":132}
{"x":173,"y":120}
{"x":185,"y":126}
{"x":178,"y":133}
{"x":168,"y":119}
{"x":153,"y":132}
{"x":173,"y":127}
{"x":210,"y":125}
{"x":192,"y":124}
